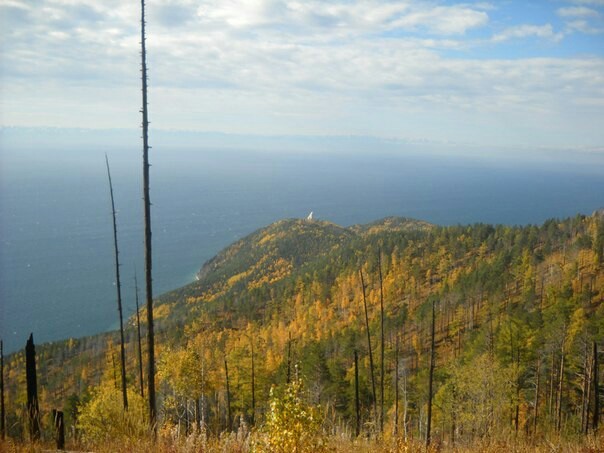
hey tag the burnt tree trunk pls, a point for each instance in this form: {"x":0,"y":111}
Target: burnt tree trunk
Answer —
{"x":59,"y":427}
{"x":228,"y":395}
{"x":517,"y":410}
{"x":289,"y":353}
{"x":552,"y":373}
{"x":395,"y":431}
{"x":596,"y":419}
{"x":560,"y":385}
{"x":119,"y":291}
{"x":33,"y":411}
{"x":253,"y":384}
{"x":113,"y":368}
{"x":2,"y":409}
{"x":357,"y":405}
{"x":430,"y":381}
{"x":369,"y":346}
{"x":589,"y":380}
{"x":536,"y":418}
{"x":381,"y":341}
{"x":147,"y":219}
{"x":138,"y":337}
{"x":197,"y":414}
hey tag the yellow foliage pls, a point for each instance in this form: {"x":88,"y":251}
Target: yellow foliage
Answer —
{"x":235,"y":278}
{"x":103,"y":417}
{"x":276,"y":271}
{"x":162,"y":311}
{"x":292,"y":425}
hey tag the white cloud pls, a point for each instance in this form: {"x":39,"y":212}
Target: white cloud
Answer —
{"x":444,"y":20}
{"x":584,"y":26}
{"x":361,"y":15}
{"x":525,"y":31}
{"x":583,"y":19}
{"x":588,"y":2}
{"x":577,"y":11}
{"x":374,"y":67}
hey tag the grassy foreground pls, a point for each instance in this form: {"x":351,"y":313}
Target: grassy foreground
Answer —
{"x":243,"y":442}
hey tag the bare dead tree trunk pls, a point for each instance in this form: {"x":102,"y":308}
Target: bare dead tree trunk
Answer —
{"x":138,"y":335}
{"x":405,"y":399}
{"x":33,"y":411}
{"x":113,"y":368}
{"x":253,"y":383}
{"x":381,"y":341}
{"x":517,"y":411}
{"x":551,"y":386}
{"x":59,"y":426}
{"x":228,"y":394}
{"x":147,"y":218}
{"x":560,"y":383}
{"x":187,"y":418}
{"x":2,"y":408}
{"x":395,"y":430}
{"x":596,"y":420}
{"x":203,"y":387}
{"x":535,"y":420}
{"x":369,"y":346}
{"x":197,"y":415}
{"x":430,"y":381}
{"x":589,"y":379}
{"x":356,"y":394}
{"x":119,"y":291}
{"x":289,"y":353}
{"x":405,"y":405}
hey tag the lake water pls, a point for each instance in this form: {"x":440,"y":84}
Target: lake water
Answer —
{"x":56,"y":256}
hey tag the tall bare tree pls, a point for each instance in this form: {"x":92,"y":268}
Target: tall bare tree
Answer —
{"x":381,"y":341}
{"x":536,"y":403}
{"x":560,"y":385}
{"x":138,"y":335}
{"x":430,"y":380}
{"x":147,"y":217}
{"x":289,"y":353}
{"x":253,"y":382}
{"x":369,"y":346}
{"x":395,"y":428}
{"x":357,"y":405}
{"x":2,"y":412}
{"x":119,"y":291}
{"x":596,"y":419}
{"x":228,"y":394}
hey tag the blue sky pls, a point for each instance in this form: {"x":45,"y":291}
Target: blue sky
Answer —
{"x":505,"y":73}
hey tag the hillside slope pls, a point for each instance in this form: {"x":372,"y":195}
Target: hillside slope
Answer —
{"x":517,"y":312}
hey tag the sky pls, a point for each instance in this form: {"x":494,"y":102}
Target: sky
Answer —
{"x":501,"y":73}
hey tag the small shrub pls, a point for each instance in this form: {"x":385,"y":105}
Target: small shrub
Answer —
{"x":103,"y":418}
{"x":292,"y":425}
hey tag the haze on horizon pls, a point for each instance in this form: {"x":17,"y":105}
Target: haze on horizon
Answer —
{"x":509,"y":74}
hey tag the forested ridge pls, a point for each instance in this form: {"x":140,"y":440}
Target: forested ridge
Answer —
{"x":516,"y":311}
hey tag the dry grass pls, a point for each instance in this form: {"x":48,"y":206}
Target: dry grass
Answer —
{"x":247,"y":443}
